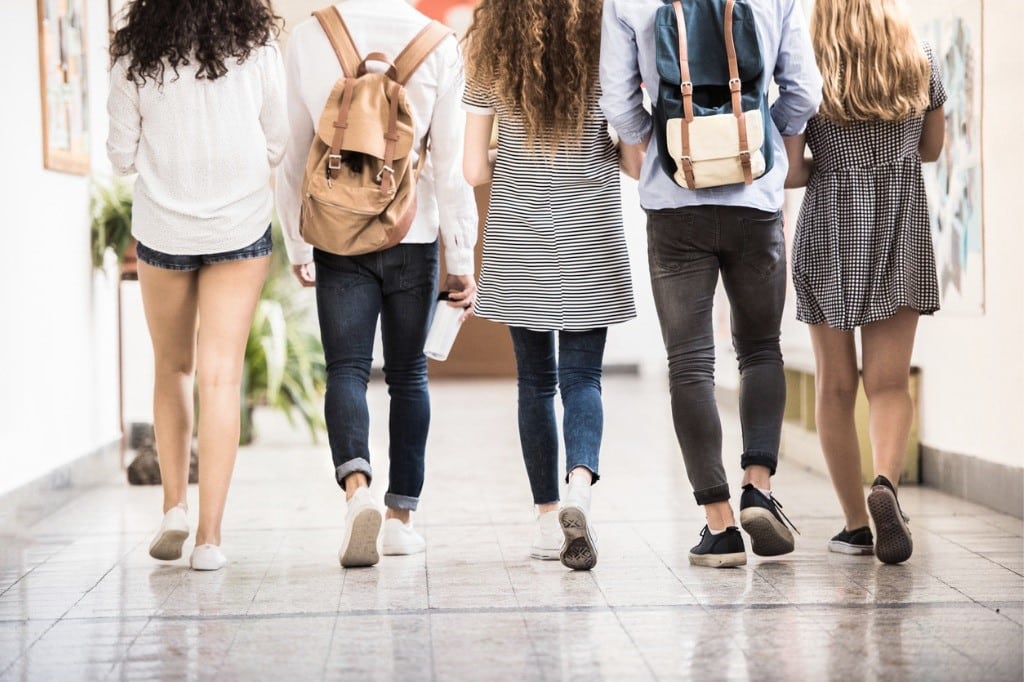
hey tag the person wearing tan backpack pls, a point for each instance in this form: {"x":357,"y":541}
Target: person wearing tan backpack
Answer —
{"x":372,"y":173}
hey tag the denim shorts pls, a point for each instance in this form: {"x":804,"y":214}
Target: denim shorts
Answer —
{"x":259,"y":248}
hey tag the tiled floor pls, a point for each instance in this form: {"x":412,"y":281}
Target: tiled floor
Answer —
{"x":81,"y":599}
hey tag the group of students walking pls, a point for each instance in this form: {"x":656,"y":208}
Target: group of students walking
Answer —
{"x":202,"y":109}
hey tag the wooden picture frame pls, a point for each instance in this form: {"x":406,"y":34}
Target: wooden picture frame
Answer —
{"x":63,"y":83}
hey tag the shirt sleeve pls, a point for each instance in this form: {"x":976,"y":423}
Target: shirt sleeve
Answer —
{"x":622,"y":98}
{"x":796,"y":74}
{"x":936,"y":90}
{"x":455,"y":199}
{"x":125,"y":120}
{"x":273,"y":112}
{"x":478,"y":98}
{"x":293,"y":165}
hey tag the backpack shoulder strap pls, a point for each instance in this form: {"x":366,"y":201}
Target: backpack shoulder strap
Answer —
{"x":419,"y":48}
{"x":341,"y":40}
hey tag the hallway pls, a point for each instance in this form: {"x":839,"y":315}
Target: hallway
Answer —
{"x":81,"y":599}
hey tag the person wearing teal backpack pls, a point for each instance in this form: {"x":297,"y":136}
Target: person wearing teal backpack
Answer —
{"x":711,"y":163}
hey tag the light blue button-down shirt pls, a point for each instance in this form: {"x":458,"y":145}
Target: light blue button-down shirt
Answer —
{"x":628,"y":59}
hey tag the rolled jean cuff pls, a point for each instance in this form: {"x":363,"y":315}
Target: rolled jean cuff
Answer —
{"x":761,"y":458}
{"x":353,"y":466}
{"x":393,"y":501}
{"x":718,"y":493}
{"x":594,"y":477}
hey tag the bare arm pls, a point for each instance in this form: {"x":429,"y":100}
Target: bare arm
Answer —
{"x":477,"y":161}
{"x":799,"y":166}
{"x":932,"y":135}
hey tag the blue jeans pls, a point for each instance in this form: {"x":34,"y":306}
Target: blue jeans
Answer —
{"x":398,"y":286}
{"x":577,"y":373}
{"x":158,"y":259}
{"x":688,"y":248}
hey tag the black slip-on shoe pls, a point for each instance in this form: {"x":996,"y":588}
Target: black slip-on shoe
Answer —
{"x":723,"y":550}
{"x":761,"y":516}
{"x":893,"y":544}
{"x":858,"y":541}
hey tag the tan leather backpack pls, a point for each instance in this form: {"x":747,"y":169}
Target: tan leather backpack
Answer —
{"x":359,"y":189}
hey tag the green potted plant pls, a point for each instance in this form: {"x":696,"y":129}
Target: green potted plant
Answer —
{"x":110,"y":209}
{"x":284,"y":359}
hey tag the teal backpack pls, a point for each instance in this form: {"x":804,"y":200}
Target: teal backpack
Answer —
{"x":711,"y":118}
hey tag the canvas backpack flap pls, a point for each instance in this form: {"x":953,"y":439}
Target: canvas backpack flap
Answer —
{"x":713,"y":138}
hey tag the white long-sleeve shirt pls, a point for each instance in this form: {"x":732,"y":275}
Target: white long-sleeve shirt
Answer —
{"x":203,"y":150}
{"x":444,"y":200}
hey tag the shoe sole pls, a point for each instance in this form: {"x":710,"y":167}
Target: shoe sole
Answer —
{"x":361,"y":549}
{"x":390,"y":550}
{"x":719,"y":560}
{"x":546,"y":555}
{"x":167,"y":547}
{"x":768,"y":536}
{"x":579,"y":551}
{"x":893,"y":543}
{"x":839,"y":547}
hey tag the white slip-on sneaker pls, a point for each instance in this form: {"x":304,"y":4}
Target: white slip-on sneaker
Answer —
{"x":207,"y":558}
{"x":166,"y":546}
{"x":547,"y":538}
{"x":399,"y":538}
{"x":362,"y":530}
{"x":580,"y":549}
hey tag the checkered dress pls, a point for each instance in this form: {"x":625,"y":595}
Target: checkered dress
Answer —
{"x":863,"y":245}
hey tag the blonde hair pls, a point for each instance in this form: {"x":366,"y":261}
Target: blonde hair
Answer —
{"x":871,"y":62}
{"x":540,"y":57}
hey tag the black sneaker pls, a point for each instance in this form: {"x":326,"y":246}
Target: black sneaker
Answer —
{"x":894,"y":543}
{"x":761,"y":516}
{"x":858,"y":541}
{"x":719,"y":551}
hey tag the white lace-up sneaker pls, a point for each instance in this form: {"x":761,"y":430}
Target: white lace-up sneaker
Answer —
{"x":166,"y":546}
{"x":548,"y":538}
{"x":362,"y":529}
{"x":400,"y":538}
{"x":207,"y":558}
{"x":580,"y":549}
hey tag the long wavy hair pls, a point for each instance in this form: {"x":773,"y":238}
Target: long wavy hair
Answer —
{"x":540,"y":56}
{"x":174,"y":33}
{"x":871,"y":62}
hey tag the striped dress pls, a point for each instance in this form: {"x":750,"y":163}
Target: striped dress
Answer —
{"x":554,"y":251}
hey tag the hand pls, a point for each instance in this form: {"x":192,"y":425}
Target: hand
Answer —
{"x":305,"y":273}
{"x":461,"y":293}
{"x":631,"y":158}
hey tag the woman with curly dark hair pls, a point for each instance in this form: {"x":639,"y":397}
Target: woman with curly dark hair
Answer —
{"x":197,"y":110}
{"x":554,"y":257}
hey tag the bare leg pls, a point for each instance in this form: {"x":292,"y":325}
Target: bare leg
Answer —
{"x":719,"y":515}
{"x":170,"y":299}
{"x":228,"y":293}
{"x":888,"y":345}
{"x":836,"y":379}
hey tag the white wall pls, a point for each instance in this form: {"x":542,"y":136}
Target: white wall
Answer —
{"x":973,"y":367}
{"x":58,"y":345}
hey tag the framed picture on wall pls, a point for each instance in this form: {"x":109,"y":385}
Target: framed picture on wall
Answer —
{"x":64,"y":85}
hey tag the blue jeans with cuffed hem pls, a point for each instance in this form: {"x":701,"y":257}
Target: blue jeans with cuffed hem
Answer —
{"x":398,"y":286}
{"x":576,"y":373}
{"x":688,"y":248}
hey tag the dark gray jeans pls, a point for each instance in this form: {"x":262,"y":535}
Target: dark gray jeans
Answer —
{"x":687,"y":249}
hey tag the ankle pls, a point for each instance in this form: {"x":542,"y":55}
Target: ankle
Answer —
{"x":354,"y":482}
{"x":547,"y":507}
{"x":581,"y":476}
{"x":719,"y":515}
{"x":403,"y":515}
{"x":758,"y":476}
{"x":170,"y":504}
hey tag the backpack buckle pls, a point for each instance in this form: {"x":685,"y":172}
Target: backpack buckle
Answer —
{"x":387,"y":169}
{"x":334,"y":161}
{"x":735,"y":84}
{"x":686,"y":88}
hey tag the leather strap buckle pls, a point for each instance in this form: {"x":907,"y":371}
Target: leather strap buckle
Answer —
{"x":686,"y":87}
{"x":385,"y":169}
{"x":735,"y":84}
{"x":334,"y":161}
